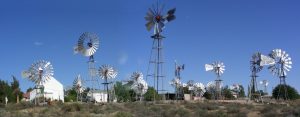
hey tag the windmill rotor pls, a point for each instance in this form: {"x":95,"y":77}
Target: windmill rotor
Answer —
{"x":218,"y":67}
{"x":88,"y":44}
{"x":199,"y":89}
{"x":255,"y":62}
{"x":107,"y":72}
{"x":175,"y":82}
{"x":283,"y":63}
{"x":39,"y":72}
{"x":156,"y":20}
{"x":78,"y":84}
{"x":140,"y":86}
{"x":137,"y":76}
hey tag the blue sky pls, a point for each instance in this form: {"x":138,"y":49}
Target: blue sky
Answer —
{"x":204,"y":31}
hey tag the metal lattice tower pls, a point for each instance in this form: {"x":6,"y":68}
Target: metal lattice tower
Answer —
{"x":156,"y":21}
{"x":156,"y":61}
{"x":218,"y":67}
{"x":178,"y":89}
{"x":87,"y":45}
{"x":282,"y":64}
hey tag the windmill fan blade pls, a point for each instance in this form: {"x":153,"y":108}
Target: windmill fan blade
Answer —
{"x":208,"y":67}
{"x":75,"y":49}
{"x":149,"y":25}
{"x":171,"y":18}
{"x":161,"y":26}
{"x":172,"y":11}
{"x":265,"y":60}
{"x":25,"y":74}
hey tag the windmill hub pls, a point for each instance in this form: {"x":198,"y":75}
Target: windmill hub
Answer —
{"x":158,"y":18}
{"x":90,"y":44}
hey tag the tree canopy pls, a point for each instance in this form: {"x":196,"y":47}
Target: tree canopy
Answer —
{"x":279,"y":92}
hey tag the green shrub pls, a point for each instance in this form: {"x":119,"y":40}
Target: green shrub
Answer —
{"x":291,"y":92}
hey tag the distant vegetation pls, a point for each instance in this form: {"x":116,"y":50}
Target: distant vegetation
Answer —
{"x":150,"y":109}
{"x":10,"y":90}
{"x":291,"y":92}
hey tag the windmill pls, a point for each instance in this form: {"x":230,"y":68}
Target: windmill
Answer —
{"x":218,"y":67}
{"x":39,"y":73}
{"x":87,"y":45}
{"x":107,"y":72}
{"x":235,"y":89}
{"x":190,"y":85}
{"x":211,"y":88}
{"x":156,"y":21}
{"x":199,"y":89}
{"x":257,"y":62}
{"x":78,"y":86}
{"x":255,"y":67}
{"x":283,"y":64}
{"x":139,"y":85}
{"x":178,"y":69}
{"x":176,"y":81}
{"x":265,"y":84}
{"x":176,"y":84}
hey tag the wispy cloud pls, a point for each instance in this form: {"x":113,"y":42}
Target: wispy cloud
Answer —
{"x":123,"y":58}
{"x":38,"y":43}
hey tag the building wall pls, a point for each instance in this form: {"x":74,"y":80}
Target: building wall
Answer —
{"x":52,"y":90}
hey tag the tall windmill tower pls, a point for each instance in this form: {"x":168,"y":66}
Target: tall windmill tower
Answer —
{"x":178,"y":89}
{"x":156,"y":21}
{"x":255,"y":67}
{"x":87,"y":45}
{"x":257,"y":62}
{"x":282,"y":64}
{"x":78,"y":86}
{"x":218,"y":67}
{"x":39,"y":73}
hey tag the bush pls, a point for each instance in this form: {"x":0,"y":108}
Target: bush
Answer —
{"x":291,"y":92}
{"x":149,"y":95}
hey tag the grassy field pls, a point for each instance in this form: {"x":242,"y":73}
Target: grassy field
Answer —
{"x":150,"y":109}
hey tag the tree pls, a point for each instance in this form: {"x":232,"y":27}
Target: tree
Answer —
{"x":71,"y":95}
{"x":29,"y":90}
{"x":11,"y":91}
{"x":242,"y":91}
{"x":207,"y":95}
{"x":227,"y":93}
{"x":16,"y":89}
{"x":149,"y":96}
{"x":291,"y":92}
{"x":123,"y":92}
{"x":5,"y":91}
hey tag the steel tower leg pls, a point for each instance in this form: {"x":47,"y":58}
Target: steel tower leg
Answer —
{"x":157,"y":62}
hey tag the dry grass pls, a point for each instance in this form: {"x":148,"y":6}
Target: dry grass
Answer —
{"x":150,"y":109}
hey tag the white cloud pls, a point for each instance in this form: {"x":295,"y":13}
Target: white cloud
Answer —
{"x":38,"y":43}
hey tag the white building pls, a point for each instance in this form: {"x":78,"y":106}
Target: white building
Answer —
{"x":98,"y":96}
{"x":53,"y":90}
